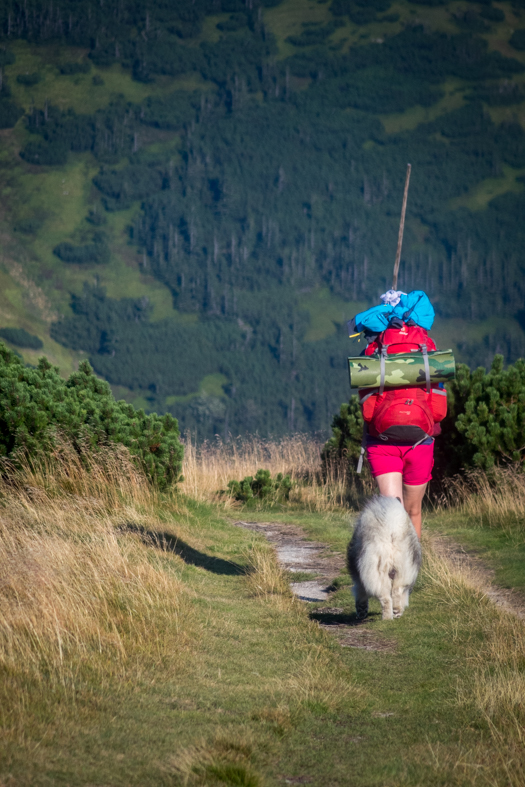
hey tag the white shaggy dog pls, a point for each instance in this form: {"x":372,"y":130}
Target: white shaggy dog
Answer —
{"x":384,"y":557}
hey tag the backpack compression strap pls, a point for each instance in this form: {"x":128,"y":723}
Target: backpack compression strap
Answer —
{"x":363,"y":448}
{"x":427,"y":366}
{"x":384,"y":351}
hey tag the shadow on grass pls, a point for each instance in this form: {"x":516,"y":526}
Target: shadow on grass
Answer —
{"x":331,"y":617}
{"x":167,"y":542}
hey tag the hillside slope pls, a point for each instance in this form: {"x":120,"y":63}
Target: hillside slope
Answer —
{"x":197,"y":200}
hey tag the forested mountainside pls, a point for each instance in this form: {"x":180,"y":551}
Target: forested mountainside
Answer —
{"x":196,"y":196}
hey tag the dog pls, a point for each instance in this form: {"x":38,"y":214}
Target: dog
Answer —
{"x":384,"y":557}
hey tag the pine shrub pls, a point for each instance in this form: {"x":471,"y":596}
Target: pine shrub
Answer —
{"x":490,"y":414}
{"x":261,"y":487}
{"x":37,"y":406}
{"x":347,"y":435}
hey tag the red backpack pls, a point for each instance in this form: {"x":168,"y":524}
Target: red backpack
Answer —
{"x":409,"y":338}
{"x":404,"y":416}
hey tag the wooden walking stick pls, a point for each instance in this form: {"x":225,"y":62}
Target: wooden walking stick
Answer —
{"x":401,"y":229}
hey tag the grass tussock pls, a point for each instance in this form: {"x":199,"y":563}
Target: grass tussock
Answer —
{"x":264,"y":577}
{"x":208,"y":469}
{"x":495,"y":499}
{"x":79,"y":599}
{"x":317,"y":684}
{"x":499,"y":691}
{"x":227,"y":759}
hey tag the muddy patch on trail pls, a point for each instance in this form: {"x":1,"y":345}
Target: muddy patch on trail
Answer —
{"x":296,"y":554}
{"x":479,"y":574}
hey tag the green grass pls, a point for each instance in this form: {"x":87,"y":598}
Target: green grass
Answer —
{"x":287,"y":19}
{"x":210,"y":385}
{"x":406,"y":121}
{"x":501,"y":548}
{"x":60,"y":198}
{"x":262,"y":695}
{"x":78,"y":91}
{"x":479,"y":197}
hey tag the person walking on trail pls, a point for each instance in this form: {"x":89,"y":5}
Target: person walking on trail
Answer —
{"x":404,"y":399}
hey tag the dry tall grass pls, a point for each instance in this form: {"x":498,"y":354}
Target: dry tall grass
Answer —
{"x":496,"y":499}
{"x":208,"y":468}
{"x":265,"y":577}
{"x":494,"y":688}
{"x":78,"y":597}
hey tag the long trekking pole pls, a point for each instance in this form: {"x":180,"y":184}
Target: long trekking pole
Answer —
{"x":401,"y":229}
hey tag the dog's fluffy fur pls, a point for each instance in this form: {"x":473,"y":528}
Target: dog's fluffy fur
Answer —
{"x":384,"y":557}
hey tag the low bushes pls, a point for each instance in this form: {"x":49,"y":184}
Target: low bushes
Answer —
{"x":261,"y":487}
{"x":38,"y":405}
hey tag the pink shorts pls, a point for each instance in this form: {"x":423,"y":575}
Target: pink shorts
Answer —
{"x":414,"y":464}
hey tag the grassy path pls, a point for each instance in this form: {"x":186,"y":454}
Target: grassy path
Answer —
{"x":480,"y":572}
{"x":499,"y":544}
{"x":259,"y":694}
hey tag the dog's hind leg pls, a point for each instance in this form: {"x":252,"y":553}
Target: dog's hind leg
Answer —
{"x":387,"y":607}
{"x":361,"y":601}
{"x":398,"y":600}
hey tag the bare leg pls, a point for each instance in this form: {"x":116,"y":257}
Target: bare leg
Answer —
{"x":412,"y":500}
{"x":391,"y":485}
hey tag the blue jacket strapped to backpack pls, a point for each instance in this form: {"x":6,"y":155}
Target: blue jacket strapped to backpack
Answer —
{"x":415,"y":306}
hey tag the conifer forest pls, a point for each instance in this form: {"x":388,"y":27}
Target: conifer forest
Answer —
{"x":196,"y":196}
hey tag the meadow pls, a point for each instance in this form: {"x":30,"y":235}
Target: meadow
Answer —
{"x":147,"y":639}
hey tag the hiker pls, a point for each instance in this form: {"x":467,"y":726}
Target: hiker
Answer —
{"x":401,"y":422}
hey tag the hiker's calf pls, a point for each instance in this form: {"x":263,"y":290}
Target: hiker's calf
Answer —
{"x":384,"y":557}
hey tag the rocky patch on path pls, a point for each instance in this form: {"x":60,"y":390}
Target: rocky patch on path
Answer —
{"x":296,"y":554}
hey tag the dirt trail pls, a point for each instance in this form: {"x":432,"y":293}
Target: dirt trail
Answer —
{"x":297,"y":554}
{"x":479,"y":574}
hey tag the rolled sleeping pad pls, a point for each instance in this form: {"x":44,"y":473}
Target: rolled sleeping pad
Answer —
{"x":401,"y":370}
